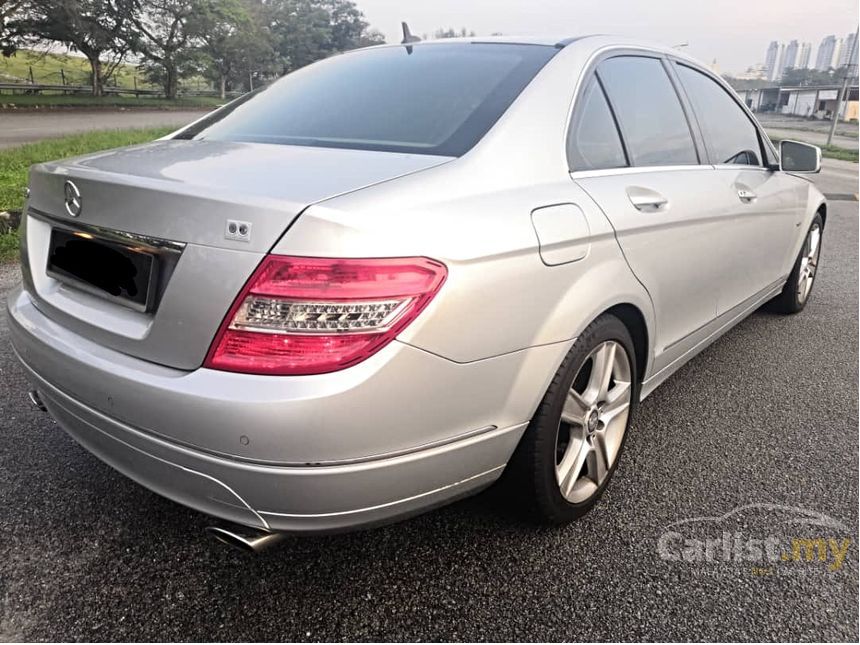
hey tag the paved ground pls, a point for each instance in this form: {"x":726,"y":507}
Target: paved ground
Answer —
{"x":28,"y":126}
{"x":810,"y":131}
{"x":769,"y":414}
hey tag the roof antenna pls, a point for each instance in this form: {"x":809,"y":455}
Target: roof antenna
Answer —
{"x":408,"y":37}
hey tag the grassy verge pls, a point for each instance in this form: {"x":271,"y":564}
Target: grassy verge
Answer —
{"x":51,"y":68}
{"x":844,"y":154}
{"x":15,"y":162}
{"x":57,"y":101}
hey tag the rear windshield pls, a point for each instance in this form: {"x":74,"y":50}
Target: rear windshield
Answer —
{"x":436,"y":99}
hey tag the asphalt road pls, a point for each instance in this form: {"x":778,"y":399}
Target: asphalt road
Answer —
{"x":27,"y":126}
{"x":769,"y":414}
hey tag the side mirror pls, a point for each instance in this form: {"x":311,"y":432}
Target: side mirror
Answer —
{"x":795,"y":156}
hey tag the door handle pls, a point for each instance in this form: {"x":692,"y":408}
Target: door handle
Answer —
{"x":645,"y":199}
{"x":746,"y":196}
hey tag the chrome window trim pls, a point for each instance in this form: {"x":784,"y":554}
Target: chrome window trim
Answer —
{"x":739,"y":166}
{"x":635,"y":170}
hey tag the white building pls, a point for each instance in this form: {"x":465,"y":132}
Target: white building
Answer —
{"x":789,"y":61}
{"x":847,"y":46}
{"x":771,"y":60}
{"x":754,"y":73}
{"x":804,"y":56}
{"x":828,"y":52}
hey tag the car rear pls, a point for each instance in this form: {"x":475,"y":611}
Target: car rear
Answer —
{"x":270,"y":390}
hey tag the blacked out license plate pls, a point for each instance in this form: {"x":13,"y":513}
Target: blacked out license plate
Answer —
{"x":103,"y":267}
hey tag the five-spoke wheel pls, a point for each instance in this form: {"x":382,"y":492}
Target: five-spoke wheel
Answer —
{"x":798,"y":287}
{"x":593,"y":421}
{"x":572,"y":445}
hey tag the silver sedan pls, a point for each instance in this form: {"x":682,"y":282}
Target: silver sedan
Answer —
{"x":400,"y":274}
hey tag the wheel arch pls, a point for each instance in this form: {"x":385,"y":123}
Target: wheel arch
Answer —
{"x":634,"y":320}
{"x":822,"y":210}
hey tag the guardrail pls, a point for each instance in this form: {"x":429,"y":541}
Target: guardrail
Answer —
{"x":38,"y":88}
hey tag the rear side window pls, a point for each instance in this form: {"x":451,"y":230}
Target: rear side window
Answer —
{"x":435,"y":99}
{"x":593,"y":141}
{"x":730,"y":136}
{"x":649,"y":112}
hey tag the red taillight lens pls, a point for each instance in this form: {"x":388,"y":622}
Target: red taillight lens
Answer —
{"x":316,"y":315}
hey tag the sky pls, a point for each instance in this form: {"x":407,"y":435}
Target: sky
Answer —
{"x":734,"y":32}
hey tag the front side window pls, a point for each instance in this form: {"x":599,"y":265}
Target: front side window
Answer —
{"x":593,"y":141}
{"x":437,"y":99}
{"x":649,"y":111}
{"x":730,"y":136}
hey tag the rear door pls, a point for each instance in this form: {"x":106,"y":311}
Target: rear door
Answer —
{"x":764,"y":215}
{"x":633,"y":148}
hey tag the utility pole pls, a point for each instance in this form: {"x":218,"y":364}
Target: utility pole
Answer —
{"x":844,"y":89}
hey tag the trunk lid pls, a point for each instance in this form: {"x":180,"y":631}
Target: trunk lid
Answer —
{"x":181,"y":196}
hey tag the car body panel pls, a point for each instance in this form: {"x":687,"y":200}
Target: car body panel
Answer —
{"x":768,"y":225}
{"x":673,"y":251}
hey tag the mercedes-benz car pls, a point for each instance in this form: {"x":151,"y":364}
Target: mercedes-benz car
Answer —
{"x":397,"y":275}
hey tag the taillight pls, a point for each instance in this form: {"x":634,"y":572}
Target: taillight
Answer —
{"x":301,"y":315}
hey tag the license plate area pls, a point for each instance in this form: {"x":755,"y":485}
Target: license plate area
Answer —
{"x":123,"y":273}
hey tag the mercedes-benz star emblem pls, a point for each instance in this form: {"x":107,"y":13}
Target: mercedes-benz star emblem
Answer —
{"x":72,"y":198}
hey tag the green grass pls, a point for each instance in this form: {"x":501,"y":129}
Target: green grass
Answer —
{"x":834,"y":152}
{"x":82,"y":100}
{"x":8,"y":246}
{"x":46,"y":69}
{"x":15,"y":163}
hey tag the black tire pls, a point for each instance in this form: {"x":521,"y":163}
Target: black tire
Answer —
{"x":789,"y":301}
{"x":531,"y":474}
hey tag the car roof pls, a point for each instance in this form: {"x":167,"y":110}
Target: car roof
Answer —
{"x":560,"y":41}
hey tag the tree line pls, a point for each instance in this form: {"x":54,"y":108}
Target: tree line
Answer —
{"x":235,"y":44}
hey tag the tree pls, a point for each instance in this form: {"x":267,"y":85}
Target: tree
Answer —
{"x":8,"y":13}
{"x":95,"y":28}
{"x":304,"y":31}
{"x":163,"y":39}
{"x":810,"y":77}
{"x":232,"y":39}
{"x":451,"y":33}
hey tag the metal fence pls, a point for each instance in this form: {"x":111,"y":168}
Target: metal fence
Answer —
{"x":41,"y":88}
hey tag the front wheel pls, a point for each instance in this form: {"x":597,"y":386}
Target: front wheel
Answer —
{"x":571,"y":448}
{"x":798,"y":287}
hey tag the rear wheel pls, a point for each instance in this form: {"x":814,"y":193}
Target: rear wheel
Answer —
{"x":571,"y":448}
{"x":798,"y":287}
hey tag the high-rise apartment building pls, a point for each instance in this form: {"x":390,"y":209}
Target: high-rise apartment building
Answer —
{"x":789,"y":61}
{"x":828,"y":51}
{"x":772,"y":60}
{"x":804,"y":56}
{"x":848,"y":45}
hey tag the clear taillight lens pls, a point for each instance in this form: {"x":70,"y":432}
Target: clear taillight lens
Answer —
{"x":315,"y":315}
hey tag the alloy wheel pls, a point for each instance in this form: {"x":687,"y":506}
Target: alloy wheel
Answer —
{"x":808,"y":263}
{"x":593,"y":422}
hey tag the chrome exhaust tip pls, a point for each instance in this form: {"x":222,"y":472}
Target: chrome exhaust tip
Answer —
{"x":36,"y":400}
{"x":255,"y":541}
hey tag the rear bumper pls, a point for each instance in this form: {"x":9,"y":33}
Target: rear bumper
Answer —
{"x":86,"y":388}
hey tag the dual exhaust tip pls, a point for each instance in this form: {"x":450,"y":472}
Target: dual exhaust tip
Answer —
{"x":245,"y":539}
